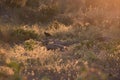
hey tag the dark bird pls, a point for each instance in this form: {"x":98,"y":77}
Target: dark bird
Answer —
{"x":47,"y":34}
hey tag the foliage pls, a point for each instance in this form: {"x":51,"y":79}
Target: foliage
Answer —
{"x":16,"y":67}
{"x":22,"y":35}
{"x":29,"y":44}
{"x":87,"y":30}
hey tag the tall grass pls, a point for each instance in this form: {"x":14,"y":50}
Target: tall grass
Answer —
{"x":89,"y":32}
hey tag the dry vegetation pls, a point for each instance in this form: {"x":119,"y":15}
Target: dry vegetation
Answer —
{"x":59,"y":40}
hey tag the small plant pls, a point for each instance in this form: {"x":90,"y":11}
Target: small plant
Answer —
{"x":54,"y":25}
{"x":45,"y":78}
{"x":29,"y":44}
{"x":16,"y":67}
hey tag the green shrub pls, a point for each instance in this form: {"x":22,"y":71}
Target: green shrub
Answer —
{"x":29,"y":44}
{"x":20,"y":35}
{"x":112,"y":61}
{"x":17,"y":68}
{"x":45,"y":78}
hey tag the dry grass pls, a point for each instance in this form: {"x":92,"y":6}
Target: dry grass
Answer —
{"x":89,"y":58}
{"x":90,"y":43}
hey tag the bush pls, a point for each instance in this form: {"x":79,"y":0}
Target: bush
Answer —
{"x":111,"y":60}
{"x":16,"y":68}
{"x":20,"y":35}
{"x":29,"y":44}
